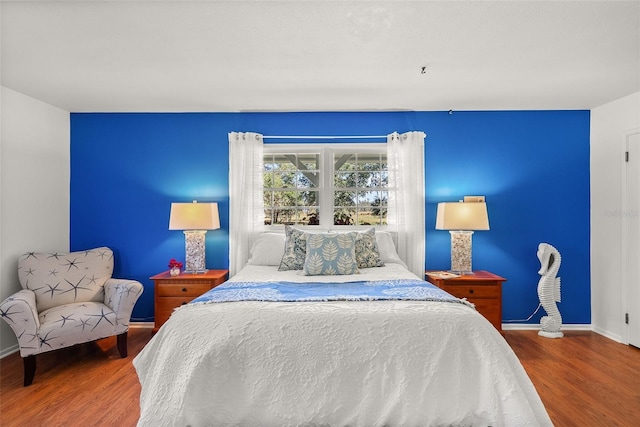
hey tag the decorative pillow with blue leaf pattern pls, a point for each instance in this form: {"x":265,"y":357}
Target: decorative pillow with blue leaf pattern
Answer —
{"x":331,"y":254}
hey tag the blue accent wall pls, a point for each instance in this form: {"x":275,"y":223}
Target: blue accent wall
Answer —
{"x":532,"y":166}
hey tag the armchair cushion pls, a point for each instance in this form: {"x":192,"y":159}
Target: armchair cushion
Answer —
{"x":76,"y":323}
{"x":65,"y":278}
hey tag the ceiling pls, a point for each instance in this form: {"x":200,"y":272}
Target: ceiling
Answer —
{"x":320,"y":55}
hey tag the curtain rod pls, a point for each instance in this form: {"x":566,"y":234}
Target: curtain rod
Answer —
{"x":322,"y":137}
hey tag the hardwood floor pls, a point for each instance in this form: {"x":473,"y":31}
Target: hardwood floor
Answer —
{"x":84,"y":385}
{"x":584,"y":379}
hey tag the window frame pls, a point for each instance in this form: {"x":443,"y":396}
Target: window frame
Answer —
{"x":326,"y":169}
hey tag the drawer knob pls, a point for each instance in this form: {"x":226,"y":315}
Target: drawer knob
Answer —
{"x":184,"y":289}
{"x":470,"y":291}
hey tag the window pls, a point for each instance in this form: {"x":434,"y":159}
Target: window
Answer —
{"x":341,"y":184}
{"x":360,"y":190}
{"x":291,"y":188}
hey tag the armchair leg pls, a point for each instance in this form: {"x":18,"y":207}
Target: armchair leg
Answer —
{"x":122,"y":344}
{"x":29,"y":369}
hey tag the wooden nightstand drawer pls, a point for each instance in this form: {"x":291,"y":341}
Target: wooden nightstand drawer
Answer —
{"x":472,"y":291}
{"x":185,"y":289}
{"x":165,"y":306}
{"x":489,"y":309}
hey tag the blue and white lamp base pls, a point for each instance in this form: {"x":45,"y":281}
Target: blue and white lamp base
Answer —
{"x":194,"y":241}
{"x":461,"y":251}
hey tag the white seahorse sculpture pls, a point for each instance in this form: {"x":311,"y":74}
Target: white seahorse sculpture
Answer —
{"x":549,"y":291}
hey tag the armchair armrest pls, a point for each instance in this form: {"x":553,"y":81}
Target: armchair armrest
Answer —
{"x":121,"y":295}
{"x":21,"y":313}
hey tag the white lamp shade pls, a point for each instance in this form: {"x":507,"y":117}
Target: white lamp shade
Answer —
{"x":462,"y":216}
{"x":194,"y":216}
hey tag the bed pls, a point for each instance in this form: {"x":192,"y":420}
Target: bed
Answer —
{"x":380,"y":347}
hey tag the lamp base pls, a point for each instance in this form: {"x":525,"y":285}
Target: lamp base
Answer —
{"x":196,"y":271}
{"x":461,"y":252}
{"x":194,"y":251}
{"x":462,"y":273}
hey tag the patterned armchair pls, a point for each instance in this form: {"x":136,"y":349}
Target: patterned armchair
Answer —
{"x":68,"y":299}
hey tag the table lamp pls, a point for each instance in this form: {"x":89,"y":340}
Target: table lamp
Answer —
{"x":195,"y":219}
{"x":462,"y":219}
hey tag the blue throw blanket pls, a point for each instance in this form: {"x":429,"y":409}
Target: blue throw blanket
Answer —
{"x":400,"y":289}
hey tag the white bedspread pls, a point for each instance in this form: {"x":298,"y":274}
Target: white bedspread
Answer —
{"x":341,"y":363}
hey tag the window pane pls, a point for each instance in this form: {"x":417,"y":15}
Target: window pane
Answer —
{"x":283,"y":216}
{"x":365,"y":179}
{"x":267,"y":180}
{"x":364,"y":201}
{"x":284,"y":180}
{"x":373,"y":180}
{"x":344,"y":198}
{"x":366,"y":198}
{"x":306,"y":179}
{"x":296,"y":217}
{"x":344,"y":216}
{"x":368,"y":217}
{"x":310,"y":217}
{"x":309,"y":198}
{"x":344,"y":179}
{"x":285,"y":198}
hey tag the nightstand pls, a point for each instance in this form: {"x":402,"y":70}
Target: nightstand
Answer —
{"x":174,"y":291}
{"x":484,"y":289}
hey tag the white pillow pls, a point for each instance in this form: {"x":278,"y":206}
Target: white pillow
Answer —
{"x":387,"y":248}
{"x":268,"y":249}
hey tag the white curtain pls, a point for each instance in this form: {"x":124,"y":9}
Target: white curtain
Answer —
{"x":405,"y":154}
{"x":246,"y":207}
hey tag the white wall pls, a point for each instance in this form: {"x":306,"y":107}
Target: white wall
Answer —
{"x":609,"y":123}
{"x":34,"y":183}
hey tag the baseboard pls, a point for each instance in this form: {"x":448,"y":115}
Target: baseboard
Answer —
{"x":531,"y":327}
{"x":609,"y":335}
{"x":575,"y":327}
{"x":7,"y":351}
{"x":142,"y":325}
